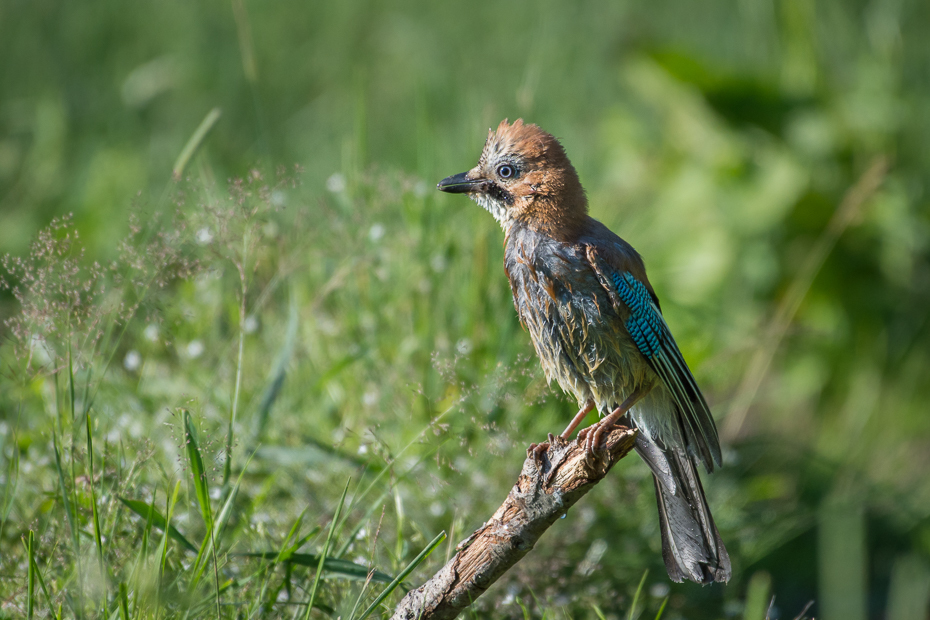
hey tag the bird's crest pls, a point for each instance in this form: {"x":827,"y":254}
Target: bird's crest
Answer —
{"x":525,"y":139}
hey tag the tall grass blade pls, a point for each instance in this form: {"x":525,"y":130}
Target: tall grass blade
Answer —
{"x":31,"y":575}
{"x":98,"y":539}
{"x":222,"y":519}
{"x":284,"y":550}
{"x":234,"y":405}
{"x":361,"y":593}
{"x":661,"y":608}
{"x":295,"y":529}
{"x":123,"y":601}
{"x":639,"y":591}
{"x":138,"y":567}
{"x":329,"y":537}
{"x":12,"y":483}
{"x":214,"y":536}
{"x":345,"y":568}
{"x":194,"y":142}
{"x":65,"y":496}
{"x":73,"y":517}
{"x":403,"y":574}
{"x":156,"y":519}
{"x":757,"y":596}
{"x":35,"y":573}
{"x":195,"y":461}
{"x":71,"y":379}
{"x":171,"y":500}
{"x":147,"y":530}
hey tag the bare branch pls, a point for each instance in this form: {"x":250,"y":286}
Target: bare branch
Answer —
{"x":537,"y":500}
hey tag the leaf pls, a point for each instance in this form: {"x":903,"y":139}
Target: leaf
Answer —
{"x":639,"y":590}
{"x":34,"y":576}
{"x":98,"y":537}
{"x":403,"y":575}
{"x":318,"y":577}
{"x":213,"y":537}
{"x":158,"y":520}
{"x":194,"y":142}
{"x":345,"y":568}
{"x":172,"y":500}
{"x":65,"y":496}
{"x":197,"y":469}
{"x":123,"y":601}
{"x":31,"y":579}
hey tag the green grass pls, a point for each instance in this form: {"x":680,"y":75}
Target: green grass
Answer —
{"x":179,"y":419}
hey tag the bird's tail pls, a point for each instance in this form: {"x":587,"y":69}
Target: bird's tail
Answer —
{"x":691,"y":545}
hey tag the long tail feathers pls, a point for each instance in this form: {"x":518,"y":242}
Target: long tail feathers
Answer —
{"x":691,"y":545}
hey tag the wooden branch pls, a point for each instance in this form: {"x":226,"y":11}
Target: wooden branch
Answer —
{"x":537,"y":500}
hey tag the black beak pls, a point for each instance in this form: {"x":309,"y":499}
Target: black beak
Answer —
{"x":460,"y":184}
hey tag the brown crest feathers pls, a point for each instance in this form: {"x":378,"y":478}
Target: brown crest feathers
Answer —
{"x":550,"y":196}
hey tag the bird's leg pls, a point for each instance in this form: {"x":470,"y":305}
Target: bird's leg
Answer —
{"x":582,"y":413}
{"x":536,"y":450}
{"x":592,"y":434}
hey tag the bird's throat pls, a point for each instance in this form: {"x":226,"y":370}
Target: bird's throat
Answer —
{"x":496,"y":208}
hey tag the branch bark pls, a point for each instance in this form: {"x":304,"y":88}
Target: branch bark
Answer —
{"x":539,"y":498}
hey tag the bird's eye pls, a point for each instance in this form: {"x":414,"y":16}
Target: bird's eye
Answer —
{"x":506,"y":171}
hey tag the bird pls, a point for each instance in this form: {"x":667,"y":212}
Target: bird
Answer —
{"x":582,"y":294}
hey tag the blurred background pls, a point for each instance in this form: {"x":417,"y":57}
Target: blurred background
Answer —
{"x":768,"y":158}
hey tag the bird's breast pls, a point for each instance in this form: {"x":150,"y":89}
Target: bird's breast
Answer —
{"x":579,"y":338}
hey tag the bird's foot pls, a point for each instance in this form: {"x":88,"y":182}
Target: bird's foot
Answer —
{"x":540,"y":455}
{"x":593,"y":435}
{"x":536,"y":451}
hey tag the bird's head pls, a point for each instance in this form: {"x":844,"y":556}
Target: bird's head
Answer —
{"x":524,"y":176}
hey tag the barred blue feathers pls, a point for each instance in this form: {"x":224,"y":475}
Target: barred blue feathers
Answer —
{"x":644,"y":323}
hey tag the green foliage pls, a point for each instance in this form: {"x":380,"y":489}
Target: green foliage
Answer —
{"x":757,"y":597}
{"x":189,"y":360}
{"x":154,"y":518}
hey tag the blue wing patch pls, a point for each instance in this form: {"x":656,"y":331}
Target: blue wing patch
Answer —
{"x":644,"y":324}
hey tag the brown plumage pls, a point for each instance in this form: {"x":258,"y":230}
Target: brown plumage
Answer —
{"x":583,"y":295}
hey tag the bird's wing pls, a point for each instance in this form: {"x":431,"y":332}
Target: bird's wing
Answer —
{"x":624,"y":279}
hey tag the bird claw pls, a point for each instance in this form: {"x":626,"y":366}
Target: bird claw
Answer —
{"x":536,"y":451}
{"x":592,"y":437}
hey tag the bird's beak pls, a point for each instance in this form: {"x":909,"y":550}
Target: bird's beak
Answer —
{"x":460,"y":184}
